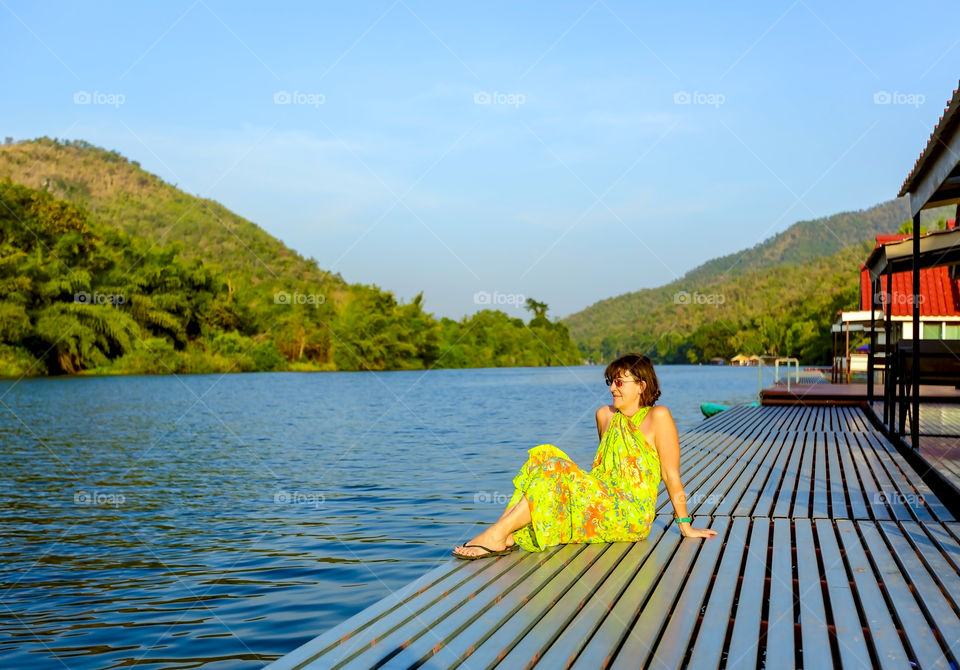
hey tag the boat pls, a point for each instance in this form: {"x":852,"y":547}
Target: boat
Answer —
{"x":711,"y":408}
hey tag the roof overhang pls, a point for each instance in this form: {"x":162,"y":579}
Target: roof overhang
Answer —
{"x":935,"y":179}
{"x":941,"y":247}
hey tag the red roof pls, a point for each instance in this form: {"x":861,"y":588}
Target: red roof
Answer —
{"x":939,"y":295}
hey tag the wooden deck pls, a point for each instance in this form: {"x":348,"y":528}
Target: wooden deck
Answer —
{"x":832,"y":553}
{"x":940,"y":440}
{"x":844,"y":394}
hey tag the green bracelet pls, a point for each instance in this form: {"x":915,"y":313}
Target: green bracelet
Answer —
{"x":685,"y":519}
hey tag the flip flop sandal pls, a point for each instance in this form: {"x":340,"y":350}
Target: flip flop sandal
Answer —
{"x":490,"y":552}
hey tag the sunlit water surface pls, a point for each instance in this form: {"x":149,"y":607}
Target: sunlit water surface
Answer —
{"x":221,"y":521}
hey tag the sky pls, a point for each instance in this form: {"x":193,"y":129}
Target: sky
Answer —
{"x":488,"y":152}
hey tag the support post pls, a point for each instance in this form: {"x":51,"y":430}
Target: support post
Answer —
{"x":870,"y":346}
{"x":887,"y":356}
{"x":915,"y":418}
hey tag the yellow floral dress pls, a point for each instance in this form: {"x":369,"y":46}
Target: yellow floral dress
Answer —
{"x":614,"y":502}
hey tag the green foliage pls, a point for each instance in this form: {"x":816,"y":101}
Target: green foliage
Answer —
{"x":786,"y":310}
{"x":906,"y":228}
{"x":80,"y":294}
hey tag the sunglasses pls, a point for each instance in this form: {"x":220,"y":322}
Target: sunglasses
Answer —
{"x":619,"y":381}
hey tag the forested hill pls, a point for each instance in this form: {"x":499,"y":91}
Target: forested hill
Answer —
{"x":117,"y":192}
{"x":806,"y":240}
{"x":107,"y":269}
{"x":778,"y":297}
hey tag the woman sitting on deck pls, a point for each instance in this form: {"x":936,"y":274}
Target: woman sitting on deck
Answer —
{"x":555,"y":502}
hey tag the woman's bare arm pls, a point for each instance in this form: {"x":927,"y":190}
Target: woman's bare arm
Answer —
{"x":667,"y":443}
{"x":603,"y":420}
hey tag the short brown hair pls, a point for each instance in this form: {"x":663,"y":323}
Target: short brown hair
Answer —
{"x":639,"y":367}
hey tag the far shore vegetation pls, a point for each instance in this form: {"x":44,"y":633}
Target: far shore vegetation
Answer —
{"x":107,"y":269}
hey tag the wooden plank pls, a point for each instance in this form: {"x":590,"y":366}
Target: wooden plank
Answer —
{"x":941,"y":610}
{"x":815,"y":643}
{"x":696,"y":478}
{"x":904,"y":493}
{"x":702,"y":480}
{"x":928,"y":548}
{"x":672,"y":647}
{"x":819,"y":508}
{"x":838,"y":499}
{"x":946,"y":542}
{"x":929,"y":506}
{"x":858,"y":505}
{"x":780,"y":641}
{"x":440,"y":577}
{"x":617,"y":624}
{"x":379,"y":639}
{"x":744,"y":643}
{"x":872,"y":493}
{"x":724,"y":486}
{"x":637,"y":647}
{"x":788,"y":488}
{"x":554,"y":622}
{"x":926,"y":650}
{"x":757,"y":474}
{"x":883,"y":631}
{"x":889,"y":494}
{"x":567,"y":647}
{"x":801,"y":501}
{"x":506,"y":618}
{"x":777,"y":478}
{"x":708,"y":647}
{"x":436,"y":625}
{"x":846,"y":620}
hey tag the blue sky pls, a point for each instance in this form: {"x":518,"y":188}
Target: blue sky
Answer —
{"x":566,"y":151}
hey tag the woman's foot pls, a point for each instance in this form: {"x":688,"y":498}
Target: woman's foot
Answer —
{"x":488,"y":539}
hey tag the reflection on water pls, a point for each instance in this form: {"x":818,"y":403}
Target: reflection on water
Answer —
{"x":223,"y":521}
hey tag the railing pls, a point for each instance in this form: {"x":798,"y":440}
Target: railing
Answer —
{"x":788,"y":361}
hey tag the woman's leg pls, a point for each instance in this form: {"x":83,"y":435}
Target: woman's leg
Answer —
{"x":500,"y":535}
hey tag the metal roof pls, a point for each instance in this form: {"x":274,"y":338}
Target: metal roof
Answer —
{"x":941,"y":247}
{"x":935,"y":178}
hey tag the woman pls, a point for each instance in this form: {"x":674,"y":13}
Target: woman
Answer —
{"x":555,"y":502}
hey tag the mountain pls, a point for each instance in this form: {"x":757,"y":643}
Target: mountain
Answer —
{"x":119,"y":193}
{"x":778,"y":297}
{"x":107,"y":269}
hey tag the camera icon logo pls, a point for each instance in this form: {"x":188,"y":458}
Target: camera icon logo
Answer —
{"x":281,"y":298}
{"x":481,"y":98}
{"x":681,"y":297}
{"x":681,"y":98}
{"x":281,"y":98}
{"x":481,"y":298}
{"x":881,"y":98}
{"x":81,"y":98}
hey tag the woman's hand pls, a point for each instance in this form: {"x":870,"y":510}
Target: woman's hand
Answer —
{"x":689,"y":531}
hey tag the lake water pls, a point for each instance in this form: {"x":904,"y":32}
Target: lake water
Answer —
{"x":221,"y":521}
